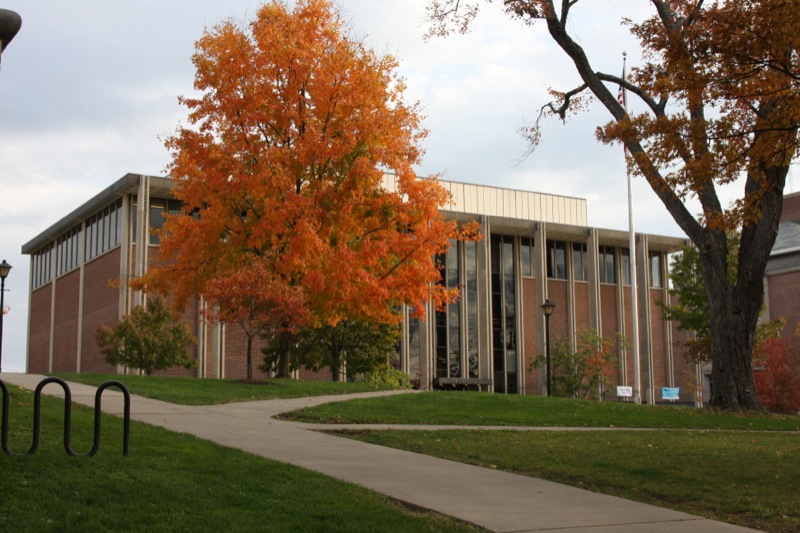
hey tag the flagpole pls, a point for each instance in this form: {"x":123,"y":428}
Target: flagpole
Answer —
{"x":637,"y":387}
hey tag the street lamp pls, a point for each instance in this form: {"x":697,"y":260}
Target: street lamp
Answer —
{"x":10,"y":23}
{"x":547,"y":308}
{"x":5,"y":268}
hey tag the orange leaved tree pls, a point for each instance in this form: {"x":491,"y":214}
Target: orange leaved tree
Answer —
{"x":718,"y":95}
{"x":286,"y":218}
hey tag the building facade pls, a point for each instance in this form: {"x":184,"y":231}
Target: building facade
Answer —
{"x":534,"y":247}
{"x":782,"y":278}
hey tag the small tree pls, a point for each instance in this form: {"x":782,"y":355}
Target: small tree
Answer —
{"x":358,"y":345}
{"x":149,"y":338}
{"x":691,"y":306}
{"x":586,"y":371}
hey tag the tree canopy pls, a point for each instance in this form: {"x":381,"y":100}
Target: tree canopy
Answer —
{"x":719,"y":90}
{"x":281,"y":172}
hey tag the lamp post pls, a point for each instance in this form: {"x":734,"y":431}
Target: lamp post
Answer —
{"x":5,"y":268}
{"x":10,"y":23}
{"x":547,"y":308}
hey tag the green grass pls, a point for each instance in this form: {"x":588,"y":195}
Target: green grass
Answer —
{"x":483,"y":409}
{"x":746,"y":478}
{"x":193,"y":391}
{"x":174,"y":483}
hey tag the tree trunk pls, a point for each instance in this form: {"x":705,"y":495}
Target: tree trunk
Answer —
{"x":336,"y":372}
{"x":336,"y":358}
{"x":734,"y":308}
{"x":733,"y":322}
{"x":249,"y":357}
{"x":285,"y":355}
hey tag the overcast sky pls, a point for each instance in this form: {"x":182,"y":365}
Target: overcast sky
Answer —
{"x":88,"y":89}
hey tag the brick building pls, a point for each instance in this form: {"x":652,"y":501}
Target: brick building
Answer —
{"x":535,"y":247}
{"x":782,"y":279}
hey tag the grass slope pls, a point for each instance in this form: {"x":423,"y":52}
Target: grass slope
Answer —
{"x":193,"y":391}
{"x":483,"y":409}
{"x":174,"y":483}
{"x":746,"y":478}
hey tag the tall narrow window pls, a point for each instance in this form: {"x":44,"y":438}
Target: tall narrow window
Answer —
{"x":504,"y":331}
{"x":607,"y":264}
{"x":656,"y":279}
{"x":625,"y":265}
{"x":471,"y":303}
{"x":453,"y":313}
{"x":413,"y":346}
{"x":448,"y":322}
{"x":579,"y":262}
{"x":157,"y":209}
{"x":557,"y":259}
{"x":526,"y":256}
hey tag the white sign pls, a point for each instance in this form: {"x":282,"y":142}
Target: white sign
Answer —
{"x":625,"y":392}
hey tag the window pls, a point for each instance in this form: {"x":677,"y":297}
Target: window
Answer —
{"x":656,"y":279}
{"x":471,"y":303}
{"x":42,"y":273}
{"x":103,"y":231}
{"x":607,"y":264}
{"x":504,"y":318}
{"x":67,"y":256}
{"x":448,"y":330}
{"x":158,"y":208}
{"x":526,"y":256}
{"x":625,"y":265}
{"x":557,"y":259}
{"x":580,"y":262}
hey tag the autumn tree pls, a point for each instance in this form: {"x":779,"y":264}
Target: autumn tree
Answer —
{"x":720,"y":104}
{"x":281,"y":174}
{"x":149,"y":338}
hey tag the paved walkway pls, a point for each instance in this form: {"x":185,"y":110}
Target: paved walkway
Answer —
{"x":495,"y":500}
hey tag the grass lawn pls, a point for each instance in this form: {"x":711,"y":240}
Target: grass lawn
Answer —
{"x":745,"y":478}
{"x":174,"y":483}
{"x":193,"y":391}
{"x":483,"y":409}
{"x":742,"y":469}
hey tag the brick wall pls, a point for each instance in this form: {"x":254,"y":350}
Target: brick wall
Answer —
{"x":39,"y":335}
{"x":791,"y":207}
{"x":783,"y":300}
{"x":65,"y":331}
{"x":533,"y":312}
{"x":582,"y":319}
{"x":100,"y":306}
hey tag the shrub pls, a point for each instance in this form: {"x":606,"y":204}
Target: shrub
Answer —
{"x":149,"y":338}
{"x":776,"y":374}
{"x":386,"y":376}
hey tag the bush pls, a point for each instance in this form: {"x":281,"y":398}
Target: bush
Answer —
{"x":585,"y":371}
{"x":149,"y":338}
{"x":777,"y":375}
{"x":386,"y":376}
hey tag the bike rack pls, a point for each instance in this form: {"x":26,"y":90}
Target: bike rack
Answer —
{"x":37,"y":416}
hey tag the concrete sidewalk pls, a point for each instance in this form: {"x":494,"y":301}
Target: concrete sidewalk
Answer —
{"x":495,"y":500}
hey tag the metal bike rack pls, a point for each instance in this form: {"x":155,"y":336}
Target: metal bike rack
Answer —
{"x":37,"y":416}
